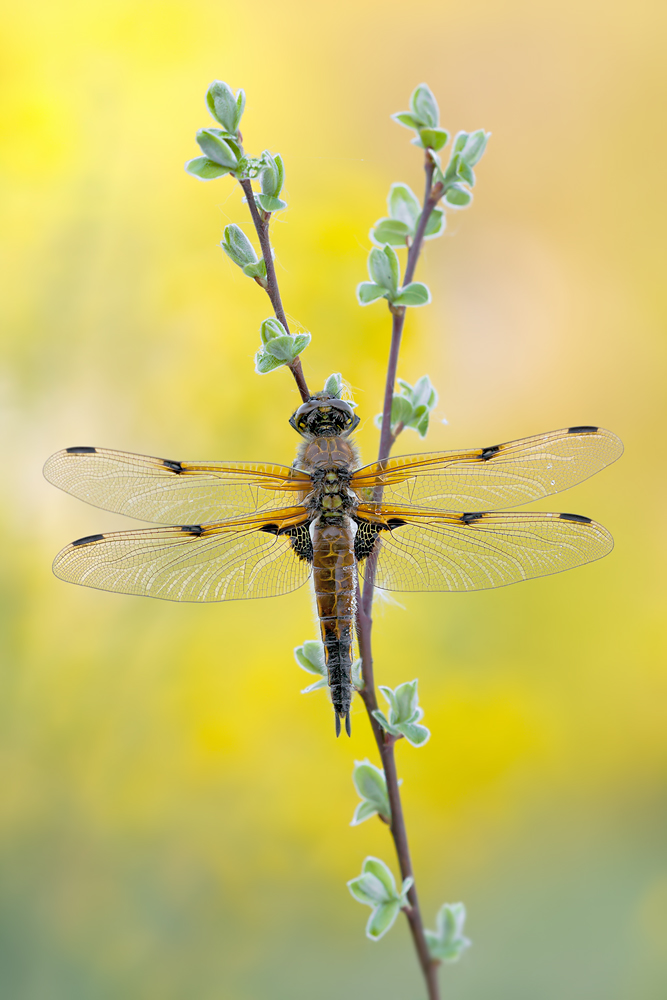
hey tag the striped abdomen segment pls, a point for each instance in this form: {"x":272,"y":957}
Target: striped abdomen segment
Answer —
{"x":334,"y":576}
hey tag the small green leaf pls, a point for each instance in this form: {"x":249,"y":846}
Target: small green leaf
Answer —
{"x":371,"y":786}
{"x":435,"y":225}
{"x":447,"y":943}
{"x":368,"y":291}
{"x":403,"y":205}
{"x":216,"y":148}
{"x":204,"y":169}
{"x":334,"y":385}
{"x":457,"y":196}
{"x":414,"y":733}
{"x":377,"y":868}
{"x":357,"y":675}
{"x":390,"y":231}
{"x":405,"y":118}
{"x":237,"y":246}
{"x":475,"y":145}
{"x":383,"y":268}
{"x":424,"y":106}
{"x":384,"y":722}
{"x":310,"y":657}
{"x":414,"y":294}
{"x":432,"y":138}
{"x":270,"y":329}
{"x":282,"y":348}
{"x":367,"y":889}
{"x":264,"y":363}
{"x":382,"y":919}
{"x":257,"y":270}
{"x":224,"y":105}
{"x":301,"y":341}
{"x":460,"y":140}
{"x":270,"y":204}
{"x":272,"y":176}
{"x":465,"y":172}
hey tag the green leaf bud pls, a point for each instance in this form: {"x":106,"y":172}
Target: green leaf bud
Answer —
{"x":334,"y":385}
{"x":474,"y":146}
{"x":237,"y":246}
{"x":390,"y":231}
{"x":216,"y":148}
{"x":465,"y":171}
{"x":368,"y":291}
{"x":371,"y":787}
{"x":270,"y":329}
{"x":376,"y":887}
{"x":225,"y":106}
{"x":257,"y":271}
{"x":270,"y":204}
{"x":404,"y":714}
{"x":457,"y":196}
{"x":435,"y":225}
{"x":414,"y":294}
{"x":382,"y":919}
{"x":310,"y":657}
{"x":424,"y":106}
{"x":288,"y":347}
{"x":272,"y":176}
{"x":447,"y":943}
{"x":406,"y":119}
{"x":432,"y":138}
{"x":403,"y":205}
{"x":383,"y":268}
{"x":204,"y":169}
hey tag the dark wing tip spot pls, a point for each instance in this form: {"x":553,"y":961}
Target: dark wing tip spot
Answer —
{"x":488,"y":453}
{"x":82,"y":449}
{"x":172,"y":466}
{"x":472,"y":517}
{"x":88,"y":538}
{"x":584,"y":429}
{"x":576,"y":517}
{"x":192,"y":529}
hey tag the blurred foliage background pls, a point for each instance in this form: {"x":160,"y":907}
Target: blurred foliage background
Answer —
{"x":174,"y":813}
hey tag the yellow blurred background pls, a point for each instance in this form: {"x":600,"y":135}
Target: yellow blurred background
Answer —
{"x":174,"y":813}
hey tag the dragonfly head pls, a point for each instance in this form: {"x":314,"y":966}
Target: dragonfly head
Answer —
{"x":324,"y":416}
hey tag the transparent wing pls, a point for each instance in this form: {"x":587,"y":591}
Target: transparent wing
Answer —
{"x":475,"y":552}
{"x":202,"y":563}
{"x":504,"y":475}
{"x":170,"y":492}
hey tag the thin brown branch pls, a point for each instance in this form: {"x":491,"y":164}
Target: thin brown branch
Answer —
{"x":385,"y":742}
{"x":261,"y":221}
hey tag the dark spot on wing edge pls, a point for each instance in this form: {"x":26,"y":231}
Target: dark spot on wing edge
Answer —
{"x":192,"y":529}
{"x":395,"y":522}
{"x":584,"y":429}
{"x":87,"y":539}
{"x":172,"y":466}
{"x":271,"y":528}
{"x":81,"y":449}
{"x":472,"y":517}
{"x":576,"y":517}
{"x":488,"y":453}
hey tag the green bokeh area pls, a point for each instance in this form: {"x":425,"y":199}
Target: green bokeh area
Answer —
{"x":174,"y":813}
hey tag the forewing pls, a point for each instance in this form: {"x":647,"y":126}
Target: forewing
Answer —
{"x":499,"y":476}
{"x":200,"y":563}
{"x":171,"y":492}
{"x":459,"y":552}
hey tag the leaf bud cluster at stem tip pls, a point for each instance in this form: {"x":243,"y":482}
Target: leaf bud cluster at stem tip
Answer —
{"x":278,"y":346}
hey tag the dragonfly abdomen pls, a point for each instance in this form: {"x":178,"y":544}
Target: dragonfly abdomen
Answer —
{"x":334,"y":576}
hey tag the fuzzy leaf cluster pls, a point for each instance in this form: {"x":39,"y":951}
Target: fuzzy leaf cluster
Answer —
{"x":447,"y":942}
{"x":371,"y":786}
{"x":376,"y":887}
{"x":384,"y":271}
{"x":404,"y":714}
{"x":278,"y":346}
{"x":424,"y":118}
{"x":459,"y":177}
{"x":310,"y":655}
{"x":400,"y":226}
{"x":412,"y":406}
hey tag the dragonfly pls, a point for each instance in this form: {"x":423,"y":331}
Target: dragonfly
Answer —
{"x":426,"y":522}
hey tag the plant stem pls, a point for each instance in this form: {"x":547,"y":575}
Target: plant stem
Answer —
{"x":386,"y":742}
{"x":261,"y":222}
